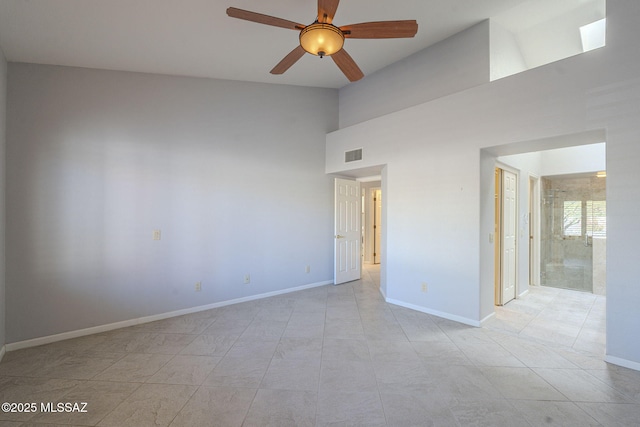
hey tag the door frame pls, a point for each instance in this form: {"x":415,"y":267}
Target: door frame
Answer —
{"x":377,"y":223}
{"x":368,"y":227}
{"x":534,"y":230}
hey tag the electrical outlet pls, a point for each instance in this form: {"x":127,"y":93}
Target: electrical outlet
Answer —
{"x":198,"y":286}
{"x":307,"y":269}
{"x":156,"y":235}
{"x":247,"y":278}
{"x":424,"y":287}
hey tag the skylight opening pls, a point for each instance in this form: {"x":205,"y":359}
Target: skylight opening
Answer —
{"x":539,"y":32}
{"x":594,"y":35}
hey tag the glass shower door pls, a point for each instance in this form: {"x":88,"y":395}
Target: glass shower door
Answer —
{"x":573,"y":221}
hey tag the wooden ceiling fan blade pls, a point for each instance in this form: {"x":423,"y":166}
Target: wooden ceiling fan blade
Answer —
{"x":347,"y":65}
{"x":327,"y":10}
{"x":381,"y":30}
{"x":288,"y":60}
{"x":263,"y":19}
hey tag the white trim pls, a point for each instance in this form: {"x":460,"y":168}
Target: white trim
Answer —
{"x":487,"y":318}
{"x":534,"y":259}
{"x":370,"y":178}
{"x":444,"y":315}
{"x":369,"y":231}
{"x":523,"y":294}
{"x":622,"y":362}
{"x":3,"y":350}
{"x":132,"y":322}
{"x":384,"y":295}
{"x":507,"y":167}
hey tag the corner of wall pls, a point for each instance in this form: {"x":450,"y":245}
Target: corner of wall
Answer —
{"x":3,"y":144}
{"x":506,"y":56}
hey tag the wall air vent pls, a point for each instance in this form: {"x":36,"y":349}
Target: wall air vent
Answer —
{"x":353,"y":155}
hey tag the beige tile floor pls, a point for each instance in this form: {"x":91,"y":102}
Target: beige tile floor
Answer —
{"x":335,"y":355}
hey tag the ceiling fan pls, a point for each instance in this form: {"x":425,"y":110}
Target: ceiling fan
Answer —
{"x":322,"y":38}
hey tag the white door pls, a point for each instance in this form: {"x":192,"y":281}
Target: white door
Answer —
{"x":509,"y":234}
{"x":347,"y":231}
{"x":377,"y":225}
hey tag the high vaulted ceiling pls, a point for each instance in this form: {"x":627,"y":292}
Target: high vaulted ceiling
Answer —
{"x":197,"y":38}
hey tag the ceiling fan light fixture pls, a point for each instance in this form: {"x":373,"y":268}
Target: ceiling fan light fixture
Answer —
{"x":321,"y":39}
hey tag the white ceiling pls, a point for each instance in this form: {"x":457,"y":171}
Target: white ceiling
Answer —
{"x":197,"y":38}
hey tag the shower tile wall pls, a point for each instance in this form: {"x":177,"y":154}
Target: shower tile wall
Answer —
{"x":570,"y":262}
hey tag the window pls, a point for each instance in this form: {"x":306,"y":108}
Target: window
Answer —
{"x":597,"y":218}
{"x":594,"y":218}
{"x":593,"y":35}
{"x":572,"y":218}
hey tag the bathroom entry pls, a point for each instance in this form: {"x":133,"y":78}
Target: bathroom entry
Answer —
{"x":574,"y":232}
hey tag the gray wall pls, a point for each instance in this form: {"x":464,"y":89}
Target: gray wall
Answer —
{"x":3,"y":128}
{"x":452,"y":65}
{"x":439,"y":216}
{"x":231,"y":173}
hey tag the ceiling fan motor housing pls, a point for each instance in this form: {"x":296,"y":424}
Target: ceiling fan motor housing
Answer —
{"x":321,"y":39}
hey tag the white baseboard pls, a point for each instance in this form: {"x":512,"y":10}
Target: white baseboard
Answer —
{"x":147,"y":319}
{"x":3,"y":350}
{"x":442,"y":314}
{"x":523,"y":293}
{"x":384,"y":295}
{"x":487,"y":318}
{"x":622,"y":362}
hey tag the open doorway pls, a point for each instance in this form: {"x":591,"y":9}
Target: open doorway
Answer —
{"x":372,"y":221}
{"x":568,"y":316}
{"x":370,"y":180}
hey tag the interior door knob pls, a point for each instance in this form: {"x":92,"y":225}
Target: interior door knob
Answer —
{"x":339,"y":237}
